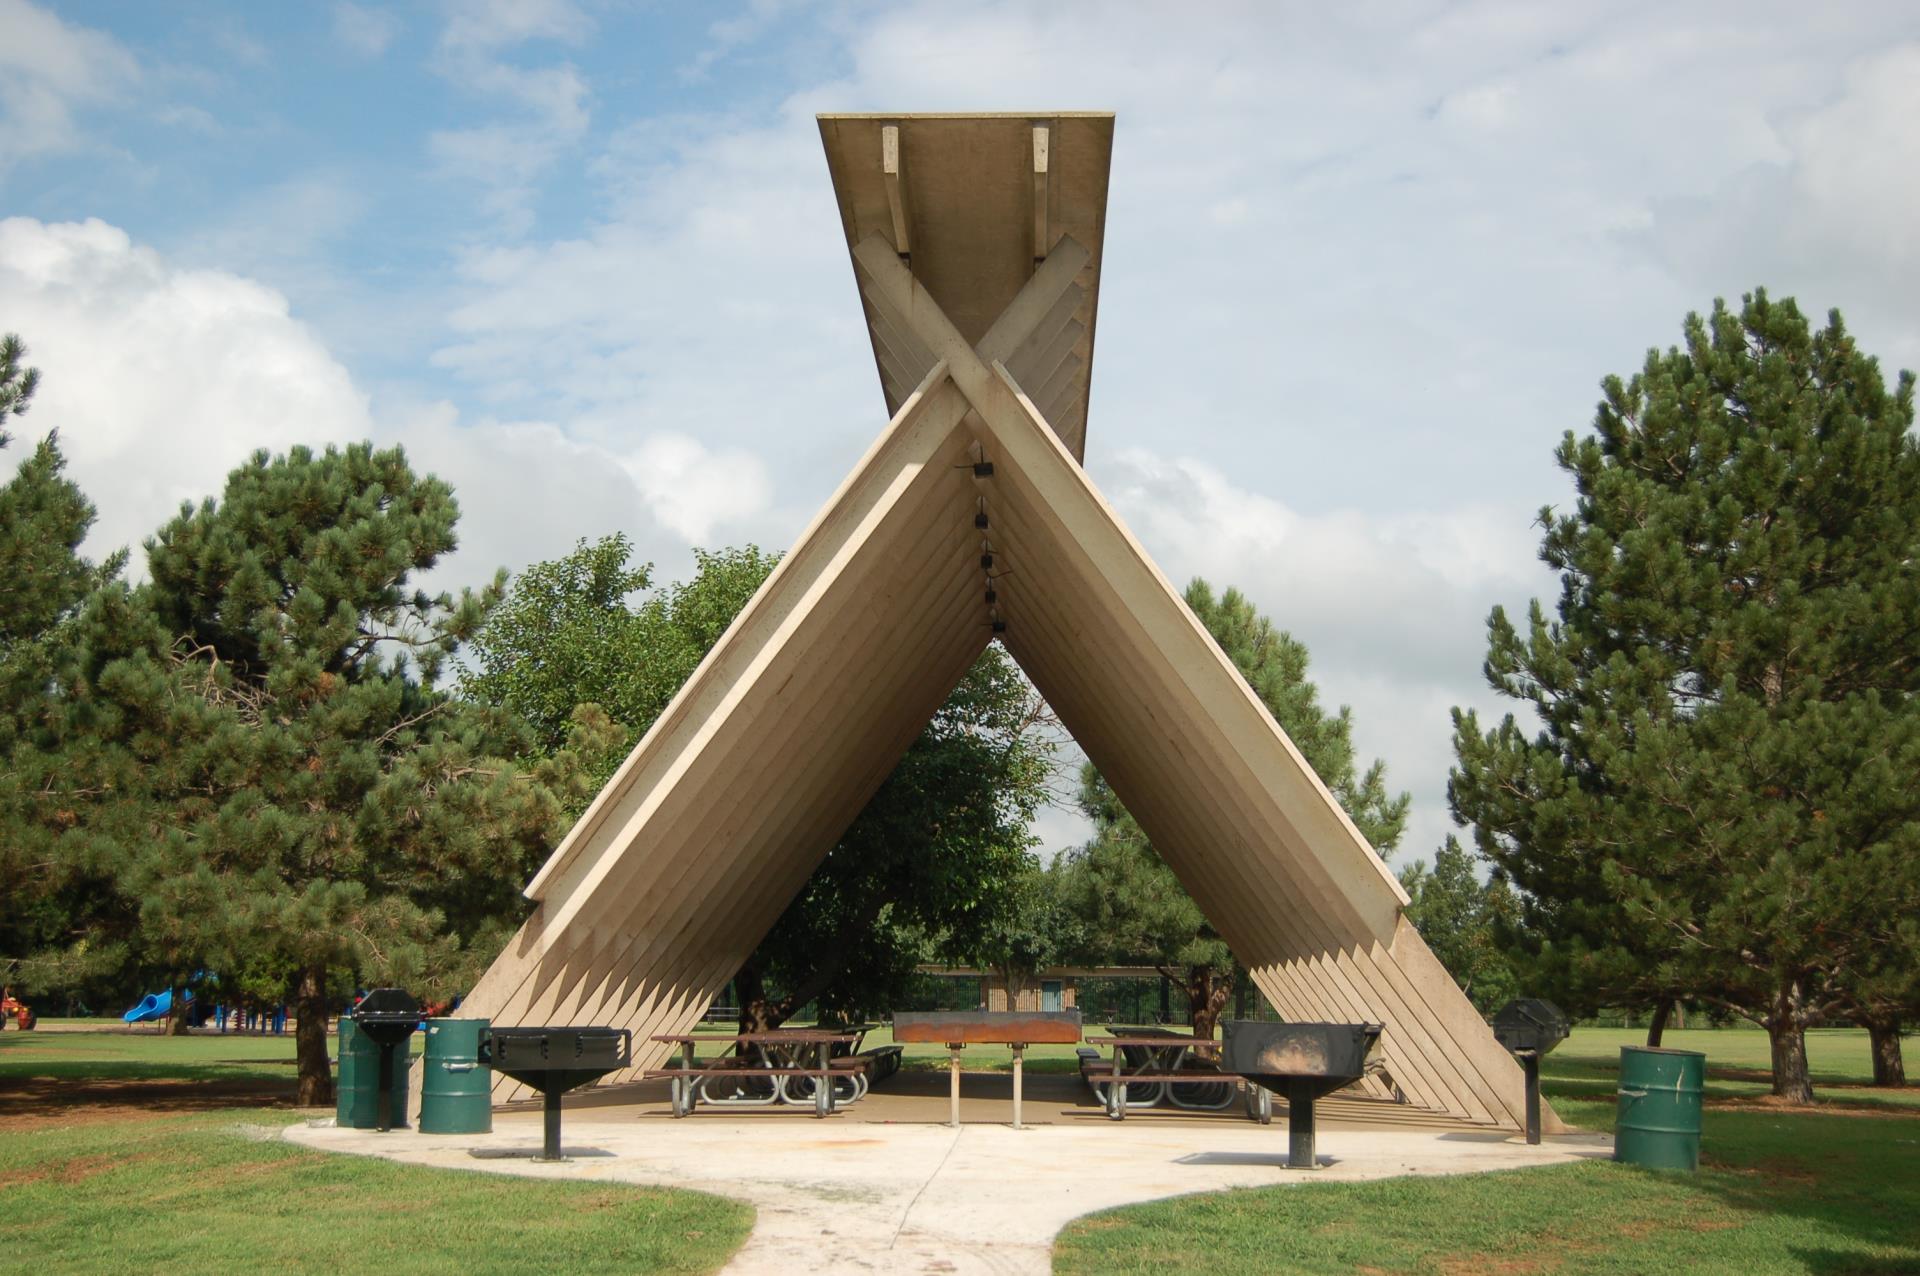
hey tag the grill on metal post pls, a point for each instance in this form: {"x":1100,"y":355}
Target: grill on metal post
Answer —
{"x":1529,"y":1027}
{"x":387,"y":1017}
{"x":1300,"y":1061}
{"x":554,"y":1061}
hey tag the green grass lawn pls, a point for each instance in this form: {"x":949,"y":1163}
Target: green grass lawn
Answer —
{"x":90,"y":1179}
{"x":145,"y":1054}
{"x":220,"y":1193}
{"x":1833,"y":1189}
{"x":1738,"y":1063}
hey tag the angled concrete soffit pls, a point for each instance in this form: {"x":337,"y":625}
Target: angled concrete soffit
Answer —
{"x":773,"y":746}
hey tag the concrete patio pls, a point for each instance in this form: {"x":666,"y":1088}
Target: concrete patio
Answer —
{"x":885,"y":1186}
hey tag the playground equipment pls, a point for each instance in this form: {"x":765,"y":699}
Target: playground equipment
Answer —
{"x":12,"y":1007}
{"x":155,"y":1005}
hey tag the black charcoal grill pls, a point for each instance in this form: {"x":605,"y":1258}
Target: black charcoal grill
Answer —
{"x":554,"y":1061}
{"x":387,"y":1017}
{"x":1529,"y":1028}
{"x":1301,"y":1062}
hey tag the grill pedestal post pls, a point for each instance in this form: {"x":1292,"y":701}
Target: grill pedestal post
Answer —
{"x":1300,"y":1124}
{"x":384,"y":1122}
{"x":1530,"y":1060}
{"x":550,"y":1121}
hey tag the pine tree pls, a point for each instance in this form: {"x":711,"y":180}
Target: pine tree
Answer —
{"x":55,"y":918}
{"x":262,"y":759}
{"x":1720,"y":800}
{"x":17,"y":384}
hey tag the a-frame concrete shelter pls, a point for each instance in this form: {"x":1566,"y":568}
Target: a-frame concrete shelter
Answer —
{"x":976,"y":244}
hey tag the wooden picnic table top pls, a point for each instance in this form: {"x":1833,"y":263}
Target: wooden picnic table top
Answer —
{"x":779,"y":1036}
{"x":1154,"y":1043}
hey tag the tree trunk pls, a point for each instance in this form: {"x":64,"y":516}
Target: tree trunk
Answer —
{"x":1658,"y":1028}
{"x":177,"y":1017}
{"x":1016,"y":982}
{"x":1787,"y":1029}
{"x":310,"y":1039}
{"x":1207,"y":992}
{"x":757,"y":1012}
{"x":1889,"y":1068}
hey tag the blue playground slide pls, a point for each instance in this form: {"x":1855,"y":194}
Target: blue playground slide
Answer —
{"x":155,"y":1005}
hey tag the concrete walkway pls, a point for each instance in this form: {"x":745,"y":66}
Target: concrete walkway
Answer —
{"x":866,"y":1196}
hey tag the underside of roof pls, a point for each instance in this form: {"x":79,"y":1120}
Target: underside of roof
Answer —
{"x":971,"y":203}
{"x":736,"y":794}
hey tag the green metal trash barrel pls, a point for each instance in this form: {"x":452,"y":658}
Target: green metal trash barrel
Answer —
{"x":357,"y":1088}
{"x":456,"y":1094}
{"x":344,"y":1075}
{"x":1659,"y":1120}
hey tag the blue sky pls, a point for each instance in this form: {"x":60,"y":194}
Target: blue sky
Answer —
{"x":1363,"y":266}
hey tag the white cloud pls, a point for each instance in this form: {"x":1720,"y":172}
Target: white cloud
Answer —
{"x":364,"y":31}
{"x":487,"y":25}
{"x":693,"y":489}
{"x":49,"y":70}
{"x":1829,"y":216}
{"x":161,"y":379}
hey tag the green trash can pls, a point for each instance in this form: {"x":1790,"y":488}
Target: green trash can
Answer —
{"x":1659,"y":1119}
{"x":456,"y":1090}
{"x":357,"y":1089}
{"x":344,"y":1073}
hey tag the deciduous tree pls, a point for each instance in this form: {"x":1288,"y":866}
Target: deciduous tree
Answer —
{"x":590,"y":629}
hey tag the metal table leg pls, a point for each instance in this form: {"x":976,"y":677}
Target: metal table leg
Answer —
{"x":953,"y":1052}
{"x":1018,"y":1052}
{"x":683,"y":1085}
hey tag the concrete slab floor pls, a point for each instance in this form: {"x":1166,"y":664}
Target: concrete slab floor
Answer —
{"x":868,"y":1193}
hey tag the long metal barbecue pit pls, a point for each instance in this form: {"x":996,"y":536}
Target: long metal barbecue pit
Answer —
{"x":1301,"y":1062}
{"x":387,"y":1017}
{"x":554,"y":1061}
{"x":957,"y":1028}
{"x":972,"y":1027}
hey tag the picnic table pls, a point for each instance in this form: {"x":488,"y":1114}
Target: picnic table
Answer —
{"x":785,"y":1066}
{"x":1158,"y":1062}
